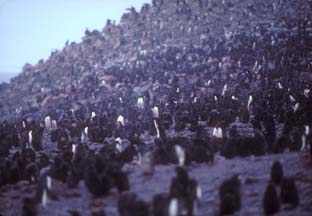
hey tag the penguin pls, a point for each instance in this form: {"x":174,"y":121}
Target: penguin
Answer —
{"x":30,"y":139}
{"x":140,"y":103}
{"x":54,"y":135}
{"x":217,"y":138}
{"x":228,"y":204}
{"x":166,"y":120}
{"x":98,"y":213}
{"x":304,"y":139}
{"x":47,"y":123}
{"x":156,"y":127}
{"x":85,"y":135}
{"x":28,"y":155}
{"x":14,"y":172}
{"x":201,"y":152}
{"x":74,"y":213}
{"x":180,"y":153}
{"x":277,"y":173}
{"x":54,"y":124}
{"x":250,"y":100}
{"x":230,"y":195}
{"x":186,"y":191}
{"x":289,"y":193}
{"x":121,"y":181}
{"x":147,"y":164}
{"x":230,"y":149}
{"x":130,"y":205}
{"x":73,"y":178}
{"x":270,"y":201}
{"x":297,"y":141}
{"x":163,"y":205}
{"x":29,"y":207}
{"x":260,"y":146}
{"x":98,"y":183}
{"x":37,"y":134}
{"x":214,"y":118}
{"x":155,"y":112}
{"x":225,"y":87}
{"x":121,"y":120}
{"x":43,"y":160}
{"x":118,"y":145}
{"x":282,"y":143}
{"x":44,"y":192}
{"x":306,"y":92}
{"x":32,"y":172}
{"x":244,"y":115}
{"x":93,"y":115}
{"x":59,"y":169}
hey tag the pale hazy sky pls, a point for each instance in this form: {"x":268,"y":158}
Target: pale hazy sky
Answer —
{"x":31,"y":29}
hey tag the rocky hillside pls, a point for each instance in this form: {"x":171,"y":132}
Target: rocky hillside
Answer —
{"x":167,"y":36}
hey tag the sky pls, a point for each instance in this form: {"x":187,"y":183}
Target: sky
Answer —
{"x":31,"y":29}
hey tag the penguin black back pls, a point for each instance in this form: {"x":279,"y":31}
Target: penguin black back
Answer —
{"x":230,"y":196}
{"x":277,"y":172}
{"x":289,"y":192}
{"x":270,"y":202}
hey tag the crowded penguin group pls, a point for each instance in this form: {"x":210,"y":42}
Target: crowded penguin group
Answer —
{"x":244,"y":94}
{"x":288,"y":192}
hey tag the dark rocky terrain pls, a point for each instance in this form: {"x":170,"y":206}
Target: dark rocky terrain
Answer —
{"x":242,"y":67}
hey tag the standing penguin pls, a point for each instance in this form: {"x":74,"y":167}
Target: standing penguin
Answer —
{"x":230,"y":195}
{"x":270,"y":202}
{"x":289,"y":192}
{"x":277,"y":173}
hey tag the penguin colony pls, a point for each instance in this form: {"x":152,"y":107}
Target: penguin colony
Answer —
{"x":207,"y":90}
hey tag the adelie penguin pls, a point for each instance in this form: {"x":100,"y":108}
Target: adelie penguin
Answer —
{"x":186,"y":191}
{"x":201,"y":152}
{"x":121,"y":181}
{"x":260,"y":145}
{"x":59,"y":169}
{"x":289,"y":192}
{"x":130,"y":205}
{"x":29,"y":207}
{"x":147,"y":164}
{"x":32,"y":172}
{"x":73,"y":178}
{"x":277,"y":173}
{"x":270,"y":201}
{"x":43,"y":160}
{"x":164,"y":205}
{"x":44,"y":191}
{"x":230,"y":149}
{"x":98,"y":183}
{"x":230,"y":195}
